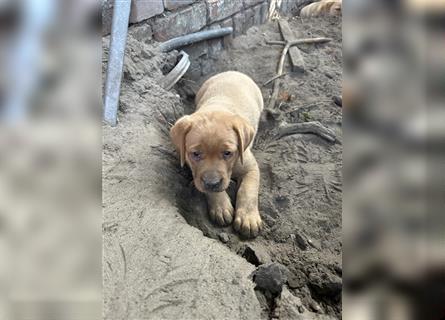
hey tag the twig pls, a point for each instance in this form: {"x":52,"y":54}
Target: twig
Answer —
{"x":313,"y":127}
{"x":124,"y":258}
{"x":301,"y":41}
{"x":274,"y":78}
{"x":274,"y":95}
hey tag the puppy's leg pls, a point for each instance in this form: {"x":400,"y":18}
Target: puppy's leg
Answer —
{"x":247,"y":217}
{"x":220,"y":208}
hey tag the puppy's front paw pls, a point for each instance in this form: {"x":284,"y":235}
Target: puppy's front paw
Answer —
{"x":248,"y":222}
{"x":221,"y":210}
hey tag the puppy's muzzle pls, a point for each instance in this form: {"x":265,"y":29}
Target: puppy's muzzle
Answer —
{"x":212,"y":182}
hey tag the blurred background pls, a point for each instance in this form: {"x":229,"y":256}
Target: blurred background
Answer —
{"x":50,"y":160}
{"x":394,"y":159}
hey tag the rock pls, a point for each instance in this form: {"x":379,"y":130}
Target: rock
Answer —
{"x":255,"y":254}
{"x":325,"y":284}
{"x":294,"y":282}
{"x":300,"y":241}
{"x":314,"y":244}
{"x":314,"y":306}
{"x":224,"y":237}
{"x":338,"y":100}
{"x":270,"y":277}
{"x":288,"y":305}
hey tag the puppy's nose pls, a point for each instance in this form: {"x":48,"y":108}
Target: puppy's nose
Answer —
{"x":212,"y":182}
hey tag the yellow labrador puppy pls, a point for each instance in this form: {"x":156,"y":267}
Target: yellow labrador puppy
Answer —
{"x":215,"y":143}
{"x":324,"y":7}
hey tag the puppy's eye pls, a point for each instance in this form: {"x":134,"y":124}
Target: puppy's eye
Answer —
{"x":196,"y":155}
{"x":227,"y":154}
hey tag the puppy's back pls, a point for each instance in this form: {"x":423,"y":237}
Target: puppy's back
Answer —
{"x":231,"y":91}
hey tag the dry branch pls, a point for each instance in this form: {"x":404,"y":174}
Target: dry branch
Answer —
{"x":313,"y":127}
{"x":288,"y":44}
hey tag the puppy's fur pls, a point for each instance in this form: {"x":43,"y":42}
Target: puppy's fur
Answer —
{"x":215,"y":143}
{"x":324,"y":7}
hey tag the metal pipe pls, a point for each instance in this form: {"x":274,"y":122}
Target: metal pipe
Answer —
{"x":121,"y":14}
{"x":194,"y":37}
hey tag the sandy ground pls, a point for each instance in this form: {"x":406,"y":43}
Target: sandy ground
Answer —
{"x":163,"y":258}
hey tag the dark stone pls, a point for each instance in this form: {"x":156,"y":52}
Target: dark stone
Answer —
{"x":301,"y":241}
{"x":325,"y":284}
{"x":255,"y":255}
{"x":271,"y":277}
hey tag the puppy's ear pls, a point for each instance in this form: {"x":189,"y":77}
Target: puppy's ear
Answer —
{"x":178,"y":133}
{"x":245,"y":133}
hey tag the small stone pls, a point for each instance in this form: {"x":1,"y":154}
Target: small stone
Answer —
{"x":338,"y":100}
{"x":314,"y":244}
{"x":300,"y":241}
{"x":224,"y":237}
{"x":271,"y":277}
{"x":300,"y":309}
{"x":255,"y":254}
{"x":314,"y":306}
{"x":289,"y":305}
{"x":293,"y":282}
{"x":235,"y":281}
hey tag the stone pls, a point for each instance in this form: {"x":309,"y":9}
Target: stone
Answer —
{"x":187,"y":20}
{"x":314,"y":306}
{"x":300,"y":241}
{"x":224,"y":237}
{"x":175,"y":4}
{"x":270,"y":277}
{"x":255,"y":254}
{"x":221,"y":9}
{"x":325,"y":284}
{"x":142,"y":9}
{"x":288,"y":305}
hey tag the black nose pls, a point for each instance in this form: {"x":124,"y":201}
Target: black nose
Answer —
{"x":212,"y":182}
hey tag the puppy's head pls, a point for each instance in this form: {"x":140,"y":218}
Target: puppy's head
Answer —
{"x":211,"y":143}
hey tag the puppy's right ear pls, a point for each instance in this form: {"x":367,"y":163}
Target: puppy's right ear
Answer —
{"x":178,"y":133}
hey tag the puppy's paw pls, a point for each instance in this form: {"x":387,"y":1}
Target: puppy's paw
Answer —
{"x":248,"y":222}
{"x":221,"y":210}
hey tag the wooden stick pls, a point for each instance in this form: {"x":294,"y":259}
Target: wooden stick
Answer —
{"x":301,"y":41}
{"x":314,"y":127}
{"x":274,"y":95}
{"x":274,"y":78}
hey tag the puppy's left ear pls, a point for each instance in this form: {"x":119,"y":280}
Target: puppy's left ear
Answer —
{"x":178,"y":133}
{"x":245,"y":133}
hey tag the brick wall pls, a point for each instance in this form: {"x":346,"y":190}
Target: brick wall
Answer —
{"x":162,"y":20}
{"x":171,"y":18}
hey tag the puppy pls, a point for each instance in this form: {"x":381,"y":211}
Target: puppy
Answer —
{"x":215,"y":142}
{"x":324,"y":7}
